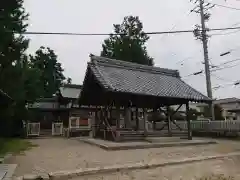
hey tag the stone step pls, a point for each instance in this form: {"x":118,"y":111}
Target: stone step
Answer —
{"x":163,"y":139}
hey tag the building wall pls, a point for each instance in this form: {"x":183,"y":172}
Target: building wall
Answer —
{"x":228,"y":106}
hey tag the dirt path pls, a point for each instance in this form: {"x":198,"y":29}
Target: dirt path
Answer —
{"x":55,"y":154}
{"x":215,"y":168}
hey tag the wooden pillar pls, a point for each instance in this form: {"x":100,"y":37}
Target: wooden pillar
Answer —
{"x":118,"y":117}
{"x":188,"y":122}
{"x":127,"y":118}
{"x":145,"y":121}
{"x":94,"y":122}
{"x":105,"y":116}
{"x":117,"y":123}
{"x":154,"y":120}
{"x":137,"y":119}
{"x":169,"y":121}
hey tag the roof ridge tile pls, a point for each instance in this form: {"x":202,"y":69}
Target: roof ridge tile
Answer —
{"x":133,"y":66}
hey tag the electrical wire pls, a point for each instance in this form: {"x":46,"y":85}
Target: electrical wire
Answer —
{"x":175,"y":25}
{"x":223,"y":6}
{"x":221,"y":34}
{"x":229,"y":51}
{"x":106,"y":34}
{"x":238,"y":59}
{"x":183,"y":60}
{"x":217,"y":69}
{"x":214,"y":70}
{"x":221,"y":79}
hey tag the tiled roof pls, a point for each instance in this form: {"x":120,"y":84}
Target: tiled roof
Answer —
{"x":121,"y":76}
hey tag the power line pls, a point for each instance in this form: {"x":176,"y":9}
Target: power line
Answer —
{"x":217,"y":69}
{"x":106,"y":34}
{"x":233,"y":25}
{"x":223,"y":6}
{"x":238,"y":59}
{"x":175,"y":25}
{"x":225,"y":67}
{"x":183,"y":60}
{"x":221,"y":34}
{"x":223,"y":86}
{"x":222,"y":79}
{"x":229,"y":51}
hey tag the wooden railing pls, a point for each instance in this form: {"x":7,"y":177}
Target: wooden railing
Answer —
{"x":207,"y":126}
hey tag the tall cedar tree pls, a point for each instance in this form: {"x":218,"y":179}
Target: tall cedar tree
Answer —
{"x":12,"y":46}
{"x":16,"y":77}
{"x":51,"y":71}
{"x":130,"y":44}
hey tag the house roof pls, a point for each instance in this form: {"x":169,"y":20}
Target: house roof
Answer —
{"x":125,"y":77}
{"x":226,"y":100}
{"x":71,"y":91}
{"x":234,"y":110}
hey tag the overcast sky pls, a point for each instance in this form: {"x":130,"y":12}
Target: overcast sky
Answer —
{"x":94,"y":16}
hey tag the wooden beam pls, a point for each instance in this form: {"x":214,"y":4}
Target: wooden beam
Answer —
{"x":188,"y":122}
{"x":171,"y":117}
{"x":160,"y":109}
{"x":176,"y":110}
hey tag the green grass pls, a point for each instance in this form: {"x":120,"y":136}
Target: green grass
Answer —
{"x":14,"y":146}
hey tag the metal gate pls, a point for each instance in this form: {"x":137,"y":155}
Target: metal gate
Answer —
{"x":57,"y":129}
{"x":33,"y":129}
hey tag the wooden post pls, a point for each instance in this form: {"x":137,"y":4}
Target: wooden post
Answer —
{"x":188,"y":122}
{"x":118,"y":117}
{"x":145,"y":121}
{"x":137,"y":119}
{"x":154,"y":120}
{"x":117,"y":122}
{"x":94,"y":123}
{"x":127,"y":118}
{"x":169,"y":121}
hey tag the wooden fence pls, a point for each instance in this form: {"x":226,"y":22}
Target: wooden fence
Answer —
{"x":206,"y":126}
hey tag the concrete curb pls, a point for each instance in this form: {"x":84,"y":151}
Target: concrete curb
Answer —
{"x":156,"y":145}
{"x":62,"y":175}
{"x":5,"y":158}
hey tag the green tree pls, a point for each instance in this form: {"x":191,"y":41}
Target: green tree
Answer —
{"x":12,"y":46}
{"x":129,"y":43}
{"x":69,"y":80}
{"x":16,"y":77}
{"x":51,"y":71}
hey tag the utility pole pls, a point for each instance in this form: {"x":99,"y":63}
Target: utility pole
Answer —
{"x":206,"y":58}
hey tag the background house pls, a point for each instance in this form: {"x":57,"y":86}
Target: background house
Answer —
{"x":194,"y":107}
{"x":231,"y":108}
{"x":59,"y":108}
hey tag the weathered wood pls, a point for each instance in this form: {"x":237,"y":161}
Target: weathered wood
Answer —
{"x":145,"y":121}
{"x":188,"y":122}
{"x":169,"y":121}
{"x":137,"y":119}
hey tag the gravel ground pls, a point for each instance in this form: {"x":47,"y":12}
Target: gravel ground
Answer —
{"x":215,"y":168}
{"x":55,"y":154}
